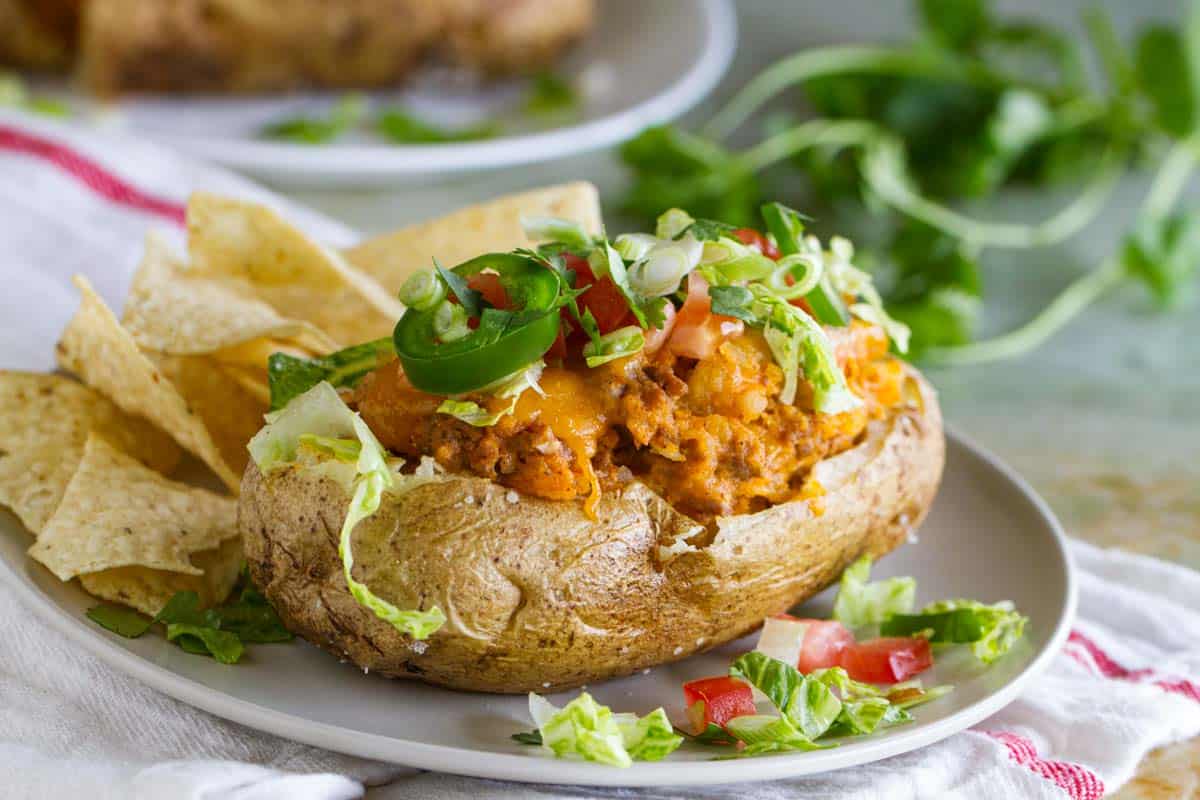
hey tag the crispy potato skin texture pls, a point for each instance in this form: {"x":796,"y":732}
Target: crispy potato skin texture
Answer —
{"x":540,"y":598}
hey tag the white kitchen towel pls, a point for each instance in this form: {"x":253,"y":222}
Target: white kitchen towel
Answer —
{"x":70,"y":727}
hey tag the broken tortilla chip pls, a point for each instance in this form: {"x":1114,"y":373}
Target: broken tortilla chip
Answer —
{"x":116,"y":512}
{"x":252,"y":380}
{"x":230,"y":413}
{"x":44,"y":423}
{"x":148,"y":590}
{"x":494,"y":226}
{"x":256,"y":251}
{"x":170,"y":312}
{"x":95,"y":347}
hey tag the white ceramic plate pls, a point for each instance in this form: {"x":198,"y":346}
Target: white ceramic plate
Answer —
{"x":988,"y":537}
{"x":645,"y":63}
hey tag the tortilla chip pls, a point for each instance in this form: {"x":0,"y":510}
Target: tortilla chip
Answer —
{"x":259,"y":253}
{"x":148,"y":590}
{"x":44,"y":423}
{"x":96,"y":348}
{"x":230,"y":413}
{"x":489,"y":227}
{"x":253,"y":381}
{"x":169,"y":312}
{"x":118,"y":513}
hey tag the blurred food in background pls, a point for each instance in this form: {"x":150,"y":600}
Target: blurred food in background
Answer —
{"x":240,"y":46}
{"x":888,"y":140}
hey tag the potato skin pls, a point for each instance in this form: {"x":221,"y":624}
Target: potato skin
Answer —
{"x":540,"y":598}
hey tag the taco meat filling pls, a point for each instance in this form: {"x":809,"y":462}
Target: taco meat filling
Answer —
{"x":709,"y":436}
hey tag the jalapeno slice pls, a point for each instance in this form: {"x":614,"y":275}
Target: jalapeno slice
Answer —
{"x":506,"y":340}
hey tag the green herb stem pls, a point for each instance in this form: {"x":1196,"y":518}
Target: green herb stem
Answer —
{"x":1171,"y":177}
{"x":1110,"y":50}
{"x":824,"y":61}
{"x":977,"y":233}
{"x":1068,"y":305}
{"x":816,"y":133}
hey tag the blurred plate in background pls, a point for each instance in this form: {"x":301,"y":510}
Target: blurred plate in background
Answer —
{"x":644,"y":63}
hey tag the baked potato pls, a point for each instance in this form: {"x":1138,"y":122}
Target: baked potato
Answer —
{"x":548,"y":559}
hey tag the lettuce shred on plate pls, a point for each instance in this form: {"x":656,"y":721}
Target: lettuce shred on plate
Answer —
{"x":792,"y":711}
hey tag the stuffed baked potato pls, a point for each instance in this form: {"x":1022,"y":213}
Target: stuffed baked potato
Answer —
{"x":573,"y":463}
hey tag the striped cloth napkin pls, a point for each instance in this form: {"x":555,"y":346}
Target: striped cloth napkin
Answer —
{"x":81,"y":201}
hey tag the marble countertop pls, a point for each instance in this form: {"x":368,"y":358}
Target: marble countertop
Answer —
{"x":1104,"y":420}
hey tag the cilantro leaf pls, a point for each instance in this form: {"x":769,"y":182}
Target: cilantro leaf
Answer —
{"x":1164,"y":253}
{"x":120,"y":620}
{"x":533,"y":737}
{"x":346,"y":114}
{"x":471,"y":300}
{"x":733,"y":301}
{"x":550,"y":94}
{"x":203,"y":640}
{"x":1164,"y":75}
{"x":708,"y":230}
{"x":956,"y":24}
{"x":400,"y":127}
{"x":291,"y":376}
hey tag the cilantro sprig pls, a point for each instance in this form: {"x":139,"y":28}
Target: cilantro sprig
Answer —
{"x":974,"y":104}
{"x":221,"y":632}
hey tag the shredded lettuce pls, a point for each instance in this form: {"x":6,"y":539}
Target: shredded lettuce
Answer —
{"x":320,"y":417}
{"x":797,"y":341}
{"x":766,"y":733}
{"x":848,"y":279}
{"x":807,"y":702}
{"x":605,"y":261}
{"x":990,"y":630}
{"x":342,"y":449}
{"x":511,"y":386}
{"x":860,"y":602}
{"x":617,"y":344}
{"x":736,"y":261}
{"x":648,"y":738}
{"x":473,"y":413}
{"x":584,"y":729}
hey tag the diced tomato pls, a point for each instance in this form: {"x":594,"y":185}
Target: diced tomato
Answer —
{"x":488,"y":284}
{"x":887,"y":660}
{"x":698,"y":332}
{"x":603,"y":298}
{"x":657,"y":337}
{"x":716,"y":701}
{"x":752,"y":238}
{"x":824,"y":643}
{"x":558,"y":350}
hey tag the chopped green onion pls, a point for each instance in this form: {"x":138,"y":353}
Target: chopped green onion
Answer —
{"x":556,"y":229}
{"x":635,"y":246}
{"x":661,"y":271}
{"x":805,"y":273}
{"x":787,"y":227}
{"x":450,"y":322}
{"x":672,"y":222}
{"x":423,"y":291}
{"x":617,"y":344}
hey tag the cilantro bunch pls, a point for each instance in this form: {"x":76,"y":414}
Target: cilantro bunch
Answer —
{"x":903,"y":133}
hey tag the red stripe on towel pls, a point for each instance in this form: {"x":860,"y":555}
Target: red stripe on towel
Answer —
{"x":91,"y":174}
{"x":1092,"y":656}
{"x":1079,"y":782}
